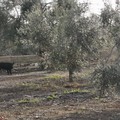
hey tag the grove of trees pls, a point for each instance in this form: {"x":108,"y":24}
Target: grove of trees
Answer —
{"x":65,"y":30}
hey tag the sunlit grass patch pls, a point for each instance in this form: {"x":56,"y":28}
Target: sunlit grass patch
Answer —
{"x":26,"y":100}
{"x":76,"y":91}
{"x":55,"y":77}
{"x":52,"y":96}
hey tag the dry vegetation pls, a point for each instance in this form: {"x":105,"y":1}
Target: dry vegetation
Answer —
{"x":49,"y":96}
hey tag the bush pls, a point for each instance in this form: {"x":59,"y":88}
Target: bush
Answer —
{"x":106,"y":77}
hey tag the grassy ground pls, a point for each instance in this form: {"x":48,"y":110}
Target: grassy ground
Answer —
{"x":49,"y":96}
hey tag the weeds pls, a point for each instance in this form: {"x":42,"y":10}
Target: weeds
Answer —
{"x":26,"y":100}
{"x":52,"y":96}
{"x":76,"y":91}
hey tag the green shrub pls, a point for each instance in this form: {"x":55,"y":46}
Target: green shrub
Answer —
{"x":106,"y":77}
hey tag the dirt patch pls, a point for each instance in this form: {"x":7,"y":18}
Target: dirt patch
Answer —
{"x":49,"y":96}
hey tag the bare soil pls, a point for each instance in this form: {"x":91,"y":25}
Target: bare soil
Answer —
{"x":49,"y":96}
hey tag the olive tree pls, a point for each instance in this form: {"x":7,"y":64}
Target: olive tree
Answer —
{"x":63,"y":30}
{"x":9,"y":23}
{"x":73,"y":34}
{"x":35,"y":28}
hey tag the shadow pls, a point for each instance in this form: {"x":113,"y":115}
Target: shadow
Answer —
{"x":92,"y":115}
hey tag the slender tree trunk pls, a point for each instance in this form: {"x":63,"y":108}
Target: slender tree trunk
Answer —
{"x":70,"y":75}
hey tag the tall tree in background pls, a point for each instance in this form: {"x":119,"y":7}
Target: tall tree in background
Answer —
{"x":111,"y":23}
{"x":12,"y":17}
{"x":36,"y":29}
{"x":9,"y":25}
